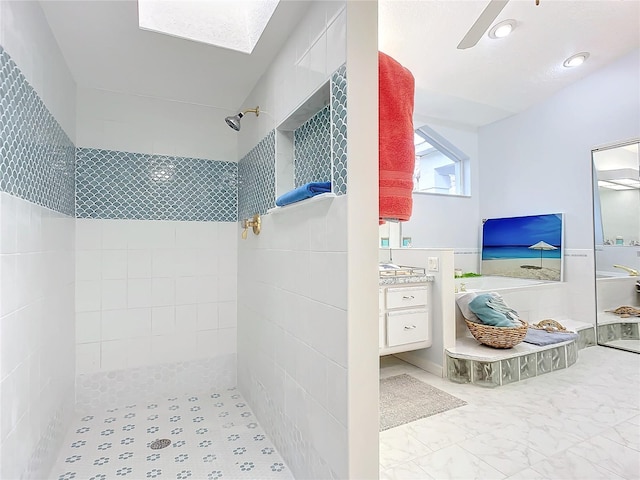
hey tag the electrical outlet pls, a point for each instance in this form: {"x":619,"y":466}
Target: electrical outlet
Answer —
{"x":433,"y":264}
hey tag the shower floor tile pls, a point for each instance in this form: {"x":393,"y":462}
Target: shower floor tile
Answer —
{"x":213,"y":436}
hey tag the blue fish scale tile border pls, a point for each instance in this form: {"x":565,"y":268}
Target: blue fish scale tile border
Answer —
{"x":37,"y":158}
{"x":122,"y":185}
{"x":312,"y":149}
{"x":339,"y":129}
{"x":213,"y":436}
{"x":257,"y":178}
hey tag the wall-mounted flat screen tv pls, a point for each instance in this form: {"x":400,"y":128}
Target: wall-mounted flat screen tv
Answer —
{"x":523,"y":247}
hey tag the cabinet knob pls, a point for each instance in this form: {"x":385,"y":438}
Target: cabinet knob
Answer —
{"x":408,"y":297}
{"x":409,"y":327}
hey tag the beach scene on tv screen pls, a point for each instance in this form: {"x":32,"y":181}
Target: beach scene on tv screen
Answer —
{"x":523,"y":247}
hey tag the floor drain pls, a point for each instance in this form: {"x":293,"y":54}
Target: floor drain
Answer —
{"x":158,"y":444}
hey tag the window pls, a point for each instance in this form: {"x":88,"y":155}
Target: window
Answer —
{"x":440,"y":166}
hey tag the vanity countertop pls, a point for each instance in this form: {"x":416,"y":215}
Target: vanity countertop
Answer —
{"x":391,"y":274}
{"x":403,"y":280}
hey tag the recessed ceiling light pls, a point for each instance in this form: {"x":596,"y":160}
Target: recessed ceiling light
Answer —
{"x":502,"y":29}
{"x":575,"y":60}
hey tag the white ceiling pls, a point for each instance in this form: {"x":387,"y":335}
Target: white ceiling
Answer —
{"x":497,"y":78}
{"x":105,"y":49}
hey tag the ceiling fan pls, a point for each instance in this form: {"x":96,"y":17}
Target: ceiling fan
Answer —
{"x":484,"y":21}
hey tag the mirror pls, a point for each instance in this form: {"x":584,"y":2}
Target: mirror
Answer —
{"x":616,"y":207}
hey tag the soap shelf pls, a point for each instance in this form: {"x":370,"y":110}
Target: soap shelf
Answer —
{"x":294,"y":206}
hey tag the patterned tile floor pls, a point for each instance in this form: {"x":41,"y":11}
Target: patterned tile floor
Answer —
{"x":213,"y":436}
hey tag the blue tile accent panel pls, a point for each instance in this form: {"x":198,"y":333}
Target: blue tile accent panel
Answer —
{"x":339,"y":129}
{"x":312,"y":149}
{"x":257,"y":178}
{"x":137,"y":186}
{"x":37,"y":159}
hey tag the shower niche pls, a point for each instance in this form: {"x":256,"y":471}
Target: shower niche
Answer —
{"x":310,"y":144}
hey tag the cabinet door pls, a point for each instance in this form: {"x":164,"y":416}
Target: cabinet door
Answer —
{"x":407,"y":326}
{"x":381,"y":331}
{"x":406,"y":297}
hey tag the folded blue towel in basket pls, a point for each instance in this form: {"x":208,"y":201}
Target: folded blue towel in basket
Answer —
{"x":302,"y":192}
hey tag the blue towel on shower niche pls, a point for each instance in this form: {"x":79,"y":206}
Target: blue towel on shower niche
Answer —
{"x":307,"y":190}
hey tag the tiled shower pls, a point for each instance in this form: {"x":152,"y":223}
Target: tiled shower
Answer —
{"x":119,"y":288}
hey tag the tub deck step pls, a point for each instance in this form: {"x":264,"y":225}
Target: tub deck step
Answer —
{"x":471,"y":362}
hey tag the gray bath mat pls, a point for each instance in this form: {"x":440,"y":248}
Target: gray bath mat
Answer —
{"x":404,"y":399}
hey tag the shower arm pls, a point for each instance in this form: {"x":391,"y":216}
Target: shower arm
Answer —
{"x":632,"y":272}
{"x":253,"y":110}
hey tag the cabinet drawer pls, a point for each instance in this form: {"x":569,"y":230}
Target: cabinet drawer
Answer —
{"x":406,"y":297}
{"x":408,"y":326}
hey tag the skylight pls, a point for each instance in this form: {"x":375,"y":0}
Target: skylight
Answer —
{"x":232,"y":24}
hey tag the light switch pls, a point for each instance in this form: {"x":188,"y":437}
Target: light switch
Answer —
{"x":433,"y":265}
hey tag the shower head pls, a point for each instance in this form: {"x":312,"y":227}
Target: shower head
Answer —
{"x":234,"y":120}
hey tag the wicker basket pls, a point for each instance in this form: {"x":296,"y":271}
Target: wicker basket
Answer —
{"x":498,"y":337}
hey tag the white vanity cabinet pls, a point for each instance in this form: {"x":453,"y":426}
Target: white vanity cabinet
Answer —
{"x":404,"y":316}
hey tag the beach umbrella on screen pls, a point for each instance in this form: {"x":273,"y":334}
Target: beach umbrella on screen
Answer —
{"x":542,"y":246}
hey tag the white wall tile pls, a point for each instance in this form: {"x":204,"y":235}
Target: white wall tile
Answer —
{"x":113,"y":294}
{"x":88,"y":328}
{"x":207,"y":343}
{"x":159,"y":279}
{"x":163,"y":292}
{"x":88,"y":265}
{"x":186,"y":317}
{"x":88,"y":296}
{"x":138,"y":322}
{"x":114,"y":235}
{"x":207,"y":316}
{"x":114,"y":325}
{"x":113,"y":355}
{"x":163,"y":320}
{"x":8,"y":236}
{"x":163,"y":262}
{"x":88,"y":234}
{"x":227,"y":314}
{"x":139,"y":264}
{"x":186,"y":290}
{"x":114,"y":264}
{"x":207,"y":289}
{"x":8,"y":274}
{"x":139,"y":292}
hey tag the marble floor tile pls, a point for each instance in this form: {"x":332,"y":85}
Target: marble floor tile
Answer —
{"x":544,"y":439}
{"x":568,"y":466}
{"x":455,"y":462}
{"x":625,"y":433}
{"x":398,"y":445}
{"x":405,"y":471}
{"x":506,"y":456}
{"x":438,"y":433}
{"x":528,"y":474}
{"x":621,"y":460}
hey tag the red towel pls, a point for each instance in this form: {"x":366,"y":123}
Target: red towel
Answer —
{"x":397,"y":151}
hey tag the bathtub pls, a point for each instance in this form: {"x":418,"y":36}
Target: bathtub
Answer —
{"x":491,"y":283}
